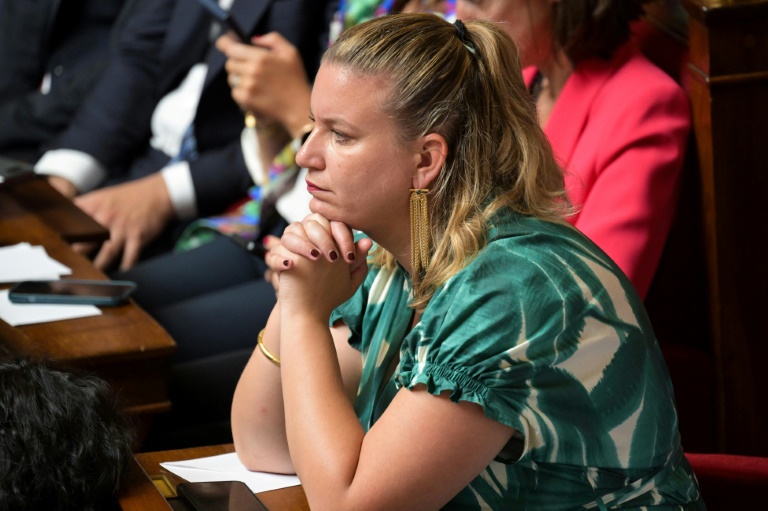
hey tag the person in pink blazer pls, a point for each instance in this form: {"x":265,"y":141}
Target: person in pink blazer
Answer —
{"x":617,"y":123}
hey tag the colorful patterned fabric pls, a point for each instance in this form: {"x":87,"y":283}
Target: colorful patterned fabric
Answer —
{"x":244,"y":220}
{"x":545,"y":333}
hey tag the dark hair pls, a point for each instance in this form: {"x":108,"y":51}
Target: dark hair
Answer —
{"x":63,"y":444}
{"x":593,"y":28}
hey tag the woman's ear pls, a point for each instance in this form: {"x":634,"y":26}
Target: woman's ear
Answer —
{"x":432,"y":156}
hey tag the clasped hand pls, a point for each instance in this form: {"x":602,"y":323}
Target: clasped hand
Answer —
{"x":319,"y":266}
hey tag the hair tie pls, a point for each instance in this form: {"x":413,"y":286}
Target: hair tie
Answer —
{"x":461,"y":30}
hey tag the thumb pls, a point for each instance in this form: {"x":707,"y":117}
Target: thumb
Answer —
{"x":271,"y":41}
{"x":225,"y":43}
{"x":362,"y":247}
{"x":357,"y":277}
{"x":360,"y":267}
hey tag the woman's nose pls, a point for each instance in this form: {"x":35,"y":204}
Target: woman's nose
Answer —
{"x":308,"y":156}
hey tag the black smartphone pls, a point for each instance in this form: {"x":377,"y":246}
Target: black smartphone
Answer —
{"x":72,"y":291}
{"x":227,"y":22}
{"x":220,"y":496}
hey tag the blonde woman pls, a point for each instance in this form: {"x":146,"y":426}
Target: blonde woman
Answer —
{"x":487,"y":355}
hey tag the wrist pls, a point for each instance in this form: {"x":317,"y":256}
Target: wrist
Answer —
{"x":63,"y":186}
{"x":296,"y":120}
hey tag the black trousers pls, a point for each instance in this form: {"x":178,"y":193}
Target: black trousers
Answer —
{"x":213,"y":301}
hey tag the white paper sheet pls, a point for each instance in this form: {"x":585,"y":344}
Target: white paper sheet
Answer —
{"x":26,"y":262}
{"x":227,"y":467}
{"x":26,"y":314}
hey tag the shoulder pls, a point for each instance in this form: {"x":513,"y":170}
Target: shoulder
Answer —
{"x":528,"y":260}
{"x":631,"y":81}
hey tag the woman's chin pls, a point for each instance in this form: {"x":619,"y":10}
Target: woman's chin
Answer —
{"x":320,"y":208}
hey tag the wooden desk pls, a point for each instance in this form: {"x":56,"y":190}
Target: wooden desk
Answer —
{"x":124,"y":344}
{"x":55,"y":210}
{"x":139,"y":493}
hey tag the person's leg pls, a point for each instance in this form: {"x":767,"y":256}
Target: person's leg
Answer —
{"x":218,"y":322}
{"x":201,"y":392}
{"x":176,"y":277}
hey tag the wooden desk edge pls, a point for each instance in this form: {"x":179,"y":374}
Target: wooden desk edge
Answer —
{"x":140,"y":494}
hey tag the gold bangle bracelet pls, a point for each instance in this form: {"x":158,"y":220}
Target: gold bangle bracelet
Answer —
{"x":270,"y":356}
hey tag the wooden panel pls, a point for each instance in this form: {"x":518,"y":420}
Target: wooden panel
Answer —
{"x":729,"y":61}
{"x":677,"y":299}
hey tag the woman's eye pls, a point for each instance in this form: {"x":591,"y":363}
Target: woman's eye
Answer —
{"x":339,"y":136}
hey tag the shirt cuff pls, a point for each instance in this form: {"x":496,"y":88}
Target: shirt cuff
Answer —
{"x":249,"y":143}
{"x":79,"y":168}
{"x":181,"y":189}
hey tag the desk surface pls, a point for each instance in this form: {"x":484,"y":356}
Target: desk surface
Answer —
{"x":55,"y":210}
{"x":139,"y":493}
{"x":124,"y":344}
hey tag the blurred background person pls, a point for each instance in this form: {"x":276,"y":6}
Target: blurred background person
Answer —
{"x":158,"y":140}
{"x":51,"y":54}
{"x":617,"y":123}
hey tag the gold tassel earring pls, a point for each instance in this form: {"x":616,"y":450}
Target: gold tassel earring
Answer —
{"x":419,"y":233}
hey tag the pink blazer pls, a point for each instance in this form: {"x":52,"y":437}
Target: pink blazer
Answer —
{"x":619,"y":129}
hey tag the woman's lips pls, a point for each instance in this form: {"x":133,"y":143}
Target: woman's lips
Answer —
{"x":311,"y":187}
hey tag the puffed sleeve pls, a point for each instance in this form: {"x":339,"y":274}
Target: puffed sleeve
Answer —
{"x":505,"y":331}
{"x":352,"y":311}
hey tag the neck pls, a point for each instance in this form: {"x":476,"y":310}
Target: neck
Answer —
{"x":403,"y":256}
{"x":398,"y":246}
{"x":555,"y":69}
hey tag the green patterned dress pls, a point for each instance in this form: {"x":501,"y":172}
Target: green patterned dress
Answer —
{"x":545,"y":333}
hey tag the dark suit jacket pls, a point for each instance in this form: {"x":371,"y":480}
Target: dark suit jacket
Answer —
{"x":160,"y":43}
{"x":69,"y":40}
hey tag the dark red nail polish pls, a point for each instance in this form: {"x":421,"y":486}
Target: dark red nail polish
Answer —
{"x":351,"y":256}
{"x":333,"y":255}
{"x":286,"y":262}
{"x":314,"y":252}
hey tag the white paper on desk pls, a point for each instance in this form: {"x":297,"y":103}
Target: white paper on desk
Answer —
{"x":26,"y":262}
{"x":227,"y":467}
{"x":26,"y":314}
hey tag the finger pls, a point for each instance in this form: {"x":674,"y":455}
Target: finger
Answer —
{"x":270,"y":242}
{"x":231,"y":66}
{"x":358,"y":274}
{"x":244,"y":52}
{"x":271,"y":277}
{"x":280,"y":259}
{"x":299,"y":244}
{"x":271,"y":41}
{"x":322,"y":239}
{"x":106,"y":256}
{"x":85,"y":249}
{"x":345,"y":240}
{"x":320,"y":219}
{"x":130,"y":253}
{"x":296,"y":228}
{"x":225,"y":43}
{"x":362,"y":247}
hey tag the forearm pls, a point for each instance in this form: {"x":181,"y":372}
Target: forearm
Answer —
{"x":324,"y":433}
{"x":271,"y":142}
{"x":296,"y":117}
{"x":258,"y":421}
